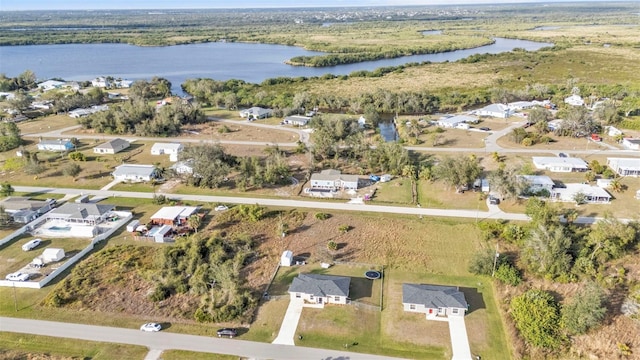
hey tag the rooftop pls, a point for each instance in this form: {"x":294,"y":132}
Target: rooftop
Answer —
{"x":433,"y":296}
{"x":321,"y":285}
{"x":174,"y":212}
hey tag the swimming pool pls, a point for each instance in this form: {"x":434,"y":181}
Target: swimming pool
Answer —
{"x":60,"y":228}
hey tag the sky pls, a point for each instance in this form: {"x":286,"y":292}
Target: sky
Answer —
{"x":11,"y":5}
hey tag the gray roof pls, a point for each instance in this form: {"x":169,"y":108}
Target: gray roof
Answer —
{"x":333,"y":175}
{"x":113,"y":144}
{"x":54,"y":142}
{"x":321,"y":285}
{"x":15,"y":203}
{"x":134,"y":170}
{"x":81,"y":211}
{"x":433,"y":296}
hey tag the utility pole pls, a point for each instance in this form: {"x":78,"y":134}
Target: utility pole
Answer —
{"x":15,"y":299}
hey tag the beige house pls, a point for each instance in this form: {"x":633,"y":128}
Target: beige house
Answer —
{"x":333,"y":180}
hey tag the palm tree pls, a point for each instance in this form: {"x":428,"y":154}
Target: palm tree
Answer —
{"x":194,"y":222}
{"x":616,"y":185}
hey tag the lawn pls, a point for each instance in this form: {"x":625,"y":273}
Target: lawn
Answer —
{"x":46,"y":124}
{"x":266,"y":324}
{"x":440,"y":196}
{"x":396,"y":191}
{"x":28,"y":346}
{"x":191,"y":355}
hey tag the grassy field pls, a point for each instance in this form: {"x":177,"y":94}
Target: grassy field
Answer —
{"x":28,"y":346}
{"x":190,"y":355}
{"x":396,"y":191}
{"x":46,"y":124}
{"x":440,"y":196}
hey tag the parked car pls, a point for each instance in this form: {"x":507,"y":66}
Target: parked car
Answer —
{"x":374,"y":177}
{"x":231,"y":333}
{"x":221,"y":208}
{"x":484,"y":128}
{"x":562,"y":155}
{"x":18,"y":276}
{"x":494,"y":200}
{"x":31,"y":245}
{"x":151,"y":327}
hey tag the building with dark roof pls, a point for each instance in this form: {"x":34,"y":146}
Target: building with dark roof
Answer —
{"x":84,"y":213}
{"x":434,"y":300}
{"x":111,"y":147}
{"x":320,"y":289}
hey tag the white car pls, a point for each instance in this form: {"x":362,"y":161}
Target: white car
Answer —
{"x":18,"y":276}
{"x":221,"y":208}
{"x":152,"y":327}
{"x":31,"y":245}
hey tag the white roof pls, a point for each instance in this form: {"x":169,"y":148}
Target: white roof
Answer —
{"x":131,"y":169}
{"x":499,"y":108}
{"x":297,"y":118}
{"x":166,"y":146}
{"x":538,"y":179}
{"x":552,"y":161}
{"x":624,"y":163}
{"x":456,"y":119}
{"x":593,"y":191}
{"x":174,"y":212}
{"x":50,"y":83}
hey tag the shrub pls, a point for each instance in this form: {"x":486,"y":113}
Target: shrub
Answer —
{"x":344,"y":228}
{"x":332,"y":245}
{"x":585,"y":310}
{"x":159,"y":199}
{"x":508,"y":274}
{"x":160,"y":293}
{"x":536,"y":316}
{"x":482,"y":262}
{"x":527,"y":142}
{"x":77,"y":156}
{"x":322,"y":216}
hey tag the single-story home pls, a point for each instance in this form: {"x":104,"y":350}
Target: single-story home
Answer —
{"x":173,"y":215}
{"x":183,"y":167}
{"x":320,"y":289}
{"x":554,"y":125}
{"x":434,"y":300}
{"x":255,"y":112}
{"x":625,"y":166}
{"x":135,"y":173}
{"x":298,"y":120}
{"x":547,"y":104}
{"x":111,"y":146}
{"x":631,"y":143}
{"x":613,"y":131}
{"x":160,"y":234}
{"x":171,"y":149}
{"x":593,"y":194}
{"x":78,"y":113}
{"x":559,"y":164}
{"x":82,"y":213}
{"x":334,"y":180}
{"x":520,"y":105}
{"x":537,"y":183}
{"x":24,"y":210}
{"x":50,"y":85}
{"x":453,"y":121}
{"x":56,"y":145}
{"x":495,"y":110}
{"x":574,"y":100}
{"x":101,"y":82}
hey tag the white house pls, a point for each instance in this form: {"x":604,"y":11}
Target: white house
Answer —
{"x":160,"y":234}
{"x":171,"y":149}
{"x":320,"y":289}
{"x":134,"y":173}
{"x":631,"y":143}
{"x":560,"y":164}
{"x":174,"y":215}
{"x":593,"y":194}
{"x":333,"y":180}
{"x":520,"y":105}
{"x":111,"y":146}
{"x":101,"y":82}
{"x":456,"y":120}
{"x":495,"y":110}
{"x":625,"y":166}
{"x":298,"y":120}
{"x":87,"y":213}
{"x":434,"y":300}
{"x":56,"y":145}
{"x":574,"y":100}
{"x":256,"y":112}
{"x":613,"y":131}
{"x":50,"y":85}
{"x":183,"y":167}
{"x":537,"y":183}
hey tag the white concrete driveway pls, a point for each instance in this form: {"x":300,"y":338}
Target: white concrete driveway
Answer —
{"x":459,"y":340}
{"x":290,"y":323}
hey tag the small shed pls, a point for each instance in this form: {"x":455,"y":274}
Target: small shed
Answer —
{"x":131,"y":227}
{"x":385,"y":178}
{"x":52,"y":255}
{"x":160,"y":233}
{"x":287,"y":258}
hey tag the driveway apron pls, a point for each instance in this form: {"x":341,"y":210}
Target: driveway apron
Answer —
{"x":290,"y":323}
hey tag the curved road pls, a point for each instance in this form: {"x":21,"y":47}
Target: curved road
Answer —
{"x":172,"y":341}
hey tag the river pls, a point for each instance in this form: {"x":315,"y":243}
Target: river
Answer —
{"x":221,"y":61}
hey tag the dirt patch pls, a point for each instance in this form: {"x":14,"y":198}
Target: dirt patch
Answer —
{"x":19,"y":355}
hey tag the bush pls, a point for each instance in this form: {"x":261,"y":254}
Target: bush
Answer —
{"x":585,"y":310}
{"x":527,"y":142}
{"x":160,"y":293}
{"x":77,"y":156}
{"x":536,"y":316}
{"x":322,"y":216}
{"x":482,"y":262}
{"x":344,"y":228}
{"x":159,"y":199}
{"x":508,"y":274}
{"x":332,"y":245}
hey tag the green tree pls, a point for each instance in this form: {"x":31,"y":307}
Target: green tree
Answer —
{"x":458,"y":172}
{"x":211,"y":165}
{"x":71,"y":170}
{"x":542,"y":212}
{"x":77,"y":156}
{"x":6,"y":189}
{"x":506,"y":182}
{"x":546,"y":251}
{"x":610,"y":239}
{"x":194,"y":222}
{"x":5,"y":218}
{"x":508,"y":274}
{"x":537,"y":318}
{"x":482,"y":262}
{"x":9,"y":136}
{"x":585,"y":310}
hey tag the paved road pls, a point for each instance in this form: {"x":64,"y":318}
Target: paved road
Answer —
{"x":493,"y":213}
{"x":165,"y":341}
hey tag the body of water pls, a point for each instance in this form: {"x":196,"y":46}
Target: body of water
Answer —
{"x":220,"y":61}
{"x":388,"y":131}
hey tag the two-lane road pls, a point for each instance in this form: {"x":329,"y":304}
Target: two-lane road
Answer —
{"x":167,"y":341}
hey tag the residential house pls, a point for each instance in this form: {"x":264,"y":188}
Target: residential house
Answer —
{"x":333,"y":180}
{"x":50,"y":85}
{"x":625,"y":166}
{"x":593,"y":194}
{"x":256,"y":112}
{"x":101,"y":82}
{"x":111,"y":146}
{"x":135,"y":173}
{"x":56,"y":145}
{"x":495,"y":110}
{"x":173,"y":215}
{"x":454,"y":121}
{"x":81,"y":213}
{"x":171,"y":149}
{"x":574,"y":100}
{"x":560,"y":164}
{"x":24,"y":210}
{"x":320,"y":289}
{"x":554,"y":125}
{"x":160,"y":234}
{"x":78,"y":113}
{"x":613,"y":131}
{"x":434,"y":300}
{"x":537,"y":183}
{"x":183,"y":167}
{"x":297,"y":120}
{"x":631,"y":143}
{"x":520,"y":105}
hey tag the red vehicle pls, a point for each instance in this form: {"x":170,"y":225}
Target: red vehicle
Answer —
{"x":596,"y":137}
